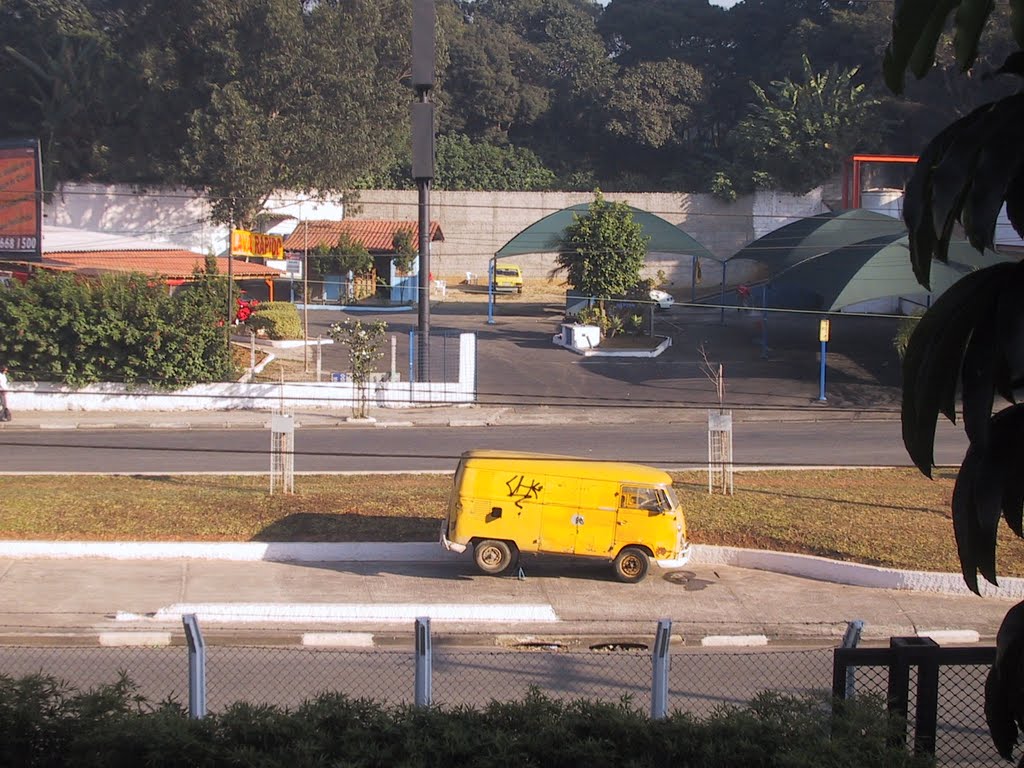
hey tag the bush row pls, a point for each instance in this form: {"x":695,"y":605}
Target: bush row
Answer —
{"x":44,"y":724}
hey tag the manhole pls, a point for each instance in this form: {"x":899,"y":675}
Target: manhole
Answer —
{"x":623,"y":646}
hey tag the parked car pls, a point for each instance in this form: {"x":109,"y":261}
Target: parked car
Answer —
{"x":661,"y":299}
{"x":508,"y":277}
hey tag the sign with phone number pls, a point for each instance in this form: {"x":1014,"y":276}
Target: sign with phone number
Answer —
{"x":18,"y":243}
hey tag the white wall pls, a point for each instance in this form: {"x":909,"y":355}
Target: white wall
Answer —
{"x":27,"y":396}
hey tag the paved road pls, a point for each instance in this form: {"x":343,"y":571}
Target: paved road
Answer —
{"x":437,"y":448}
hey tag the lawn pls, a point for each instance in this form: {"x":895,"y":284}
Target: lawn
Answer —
{"x":884,"y":517}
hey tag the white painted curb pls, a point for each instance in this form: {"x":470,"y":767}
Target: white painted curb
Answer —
{"x":734,"y":641}
{"x":344,"y":612}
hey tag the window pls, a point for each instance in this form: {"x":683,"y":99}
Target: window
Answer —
{"x":649,"y":499}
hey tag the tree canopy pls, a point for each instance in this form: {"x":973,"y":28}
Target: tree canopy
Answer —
{"x":252,"y":96}
{"x":603,"y":250}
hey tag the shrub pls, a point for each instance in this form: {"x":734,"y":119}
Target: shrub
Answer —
{"x":44,"y":723}
{"x":277,"y":319}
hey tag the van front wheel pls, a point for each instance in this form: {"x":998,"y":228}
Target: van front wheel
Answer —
{"x":631,"y":565}
{"x":492,"y":556}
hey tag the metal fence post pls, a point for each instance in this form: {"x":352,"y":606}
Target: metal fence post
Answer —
{"x":424,"y":667}
{"x":659,"y":664}
{"x":196,"y":667}
{"x":850,"y":640}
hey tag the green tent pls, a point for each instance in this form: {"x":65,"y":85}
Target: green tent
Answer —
{"x":816,"y":235}
{"x":872,"y":269}
{"x":545,"y":236}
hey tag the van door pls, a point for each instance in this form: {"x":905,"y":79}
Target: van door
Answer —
{"x":560,"y":514}
{"x":599,"y":505}
{"x":640,"y":516}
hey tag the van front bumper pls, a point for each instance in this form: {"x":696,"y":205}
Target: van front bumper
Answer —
{"x":676,"y":562}
{"x":447,"y":543}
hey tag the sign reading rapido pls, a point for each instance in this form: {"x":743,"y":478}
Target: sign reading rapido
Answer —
{"x":245,"y":243}
{"x":21,"y":200}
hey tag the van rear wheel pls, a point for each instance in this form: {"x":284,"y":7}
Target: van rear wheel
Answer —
{"x":493,"y":556}
{"x":631,"y":565}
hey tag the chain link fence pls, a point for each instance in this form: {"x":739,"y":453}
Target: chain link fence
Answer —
{"x":699,"y":680}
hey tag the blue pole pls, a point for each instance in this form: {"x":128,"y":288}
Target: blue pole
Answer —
{"x":821,"y":385}
{"x":490,"y":291}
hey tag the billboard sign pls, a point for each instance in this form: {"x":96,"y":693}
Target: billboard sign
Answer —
{"x":21,"y":200}
{"x":246,"y":243}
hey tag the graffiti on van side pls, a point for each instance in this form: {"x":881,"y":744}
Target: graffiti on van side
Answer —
{"x":521,"y":490}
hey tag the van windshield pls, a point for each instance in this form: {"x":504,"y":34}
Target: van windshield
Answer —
{"x":508,"y":272}
{"x":649,"y":499}
{"x":673,"y":500}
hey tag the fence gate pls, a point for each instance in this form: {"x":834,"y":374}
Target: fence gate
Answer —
{"x":720,"y":451}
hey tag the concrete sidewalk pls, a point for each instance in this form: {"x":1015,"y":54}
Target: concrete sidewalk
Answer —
{"x":374,"y":602}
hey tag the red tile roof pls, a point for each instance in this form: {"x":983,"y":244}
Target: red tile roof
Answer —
{"x":170,"y":264}
{"x":376,"y":235}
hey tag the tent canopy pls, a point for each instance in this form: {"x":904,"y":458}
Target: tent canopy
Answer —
{"x":872,"y":269}
{"x":816,"y":235}
{"x":545,"y":236}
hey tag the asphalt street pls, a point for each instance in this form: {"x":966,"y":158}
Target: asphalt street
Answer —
{"x":771,"y":389}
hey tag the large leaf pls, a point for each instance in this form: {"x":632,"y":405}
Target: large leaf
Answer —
{"x":916,"y":27}
{"x":990,"y":482}
{"x":998,"y":167}
{"x":934,"y":356}
{"x":970,"y":20}
{"x":1004,"y":687}
{"x":918,"y":199}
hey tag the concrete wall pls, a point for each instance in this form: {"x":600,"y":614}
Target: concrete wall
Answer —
{"x":25,"y":396}
{"x":475,"y":224}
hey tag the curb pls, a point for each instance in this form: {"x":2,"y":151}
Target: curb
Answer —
{"x":804,"y":566}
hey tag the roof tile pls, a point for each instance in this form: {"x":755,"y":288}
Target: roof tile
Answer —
{"x":376,"y":235}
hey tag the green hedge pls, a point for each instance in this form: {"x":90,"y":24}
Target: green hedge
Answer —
{"x":45,"y":724}
{"x":279,"y":319}
{"x":124,"y":328}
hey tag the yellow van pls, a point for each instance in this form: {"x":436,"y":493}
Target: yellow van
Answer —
{"x":503,"y":503}
{"x":508,"y":277}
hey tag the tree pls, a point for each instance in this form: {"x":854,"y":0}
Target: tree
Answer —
{"x":406,"y":251}
{"x":347,"y":255}
{"x":973,"y":335}
{"x":364,"y":349}
{"x":603,"y":250}
{"x":801,"y":133}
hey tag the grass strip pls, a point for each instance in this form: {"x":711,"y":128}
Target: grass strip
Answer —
{"x":887,"y":517}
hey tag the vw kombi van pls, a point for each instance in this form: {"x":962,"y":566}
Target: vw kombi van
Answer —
{"x":504,"y":503}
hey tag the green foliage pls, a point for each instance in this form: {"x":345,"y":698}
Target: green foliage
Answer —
{"x":801,"y":133}
{"x":904,"y":330}
{"x":364,"y":342}
{"x":603,"y":250}
{"x":115,"y":328}
{"x":347,"y":255}
{"x":722,"y":188}
{"x":277,"y":319}
{"x":43,"y":723}
{"x":406,"y":251}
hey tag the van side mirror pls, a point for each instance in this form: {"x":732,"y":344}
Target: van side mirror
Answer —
{"x":495,"y":512}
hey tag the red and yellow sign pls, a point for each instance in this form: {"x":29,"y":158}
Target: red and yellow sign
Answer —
{"x":20,"y":197}
{"x":246,"y":243}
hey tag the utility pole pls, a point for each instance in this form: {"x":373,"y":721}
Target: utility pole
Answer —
{"x":423,"y":19}
{"x":231,"y":274}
